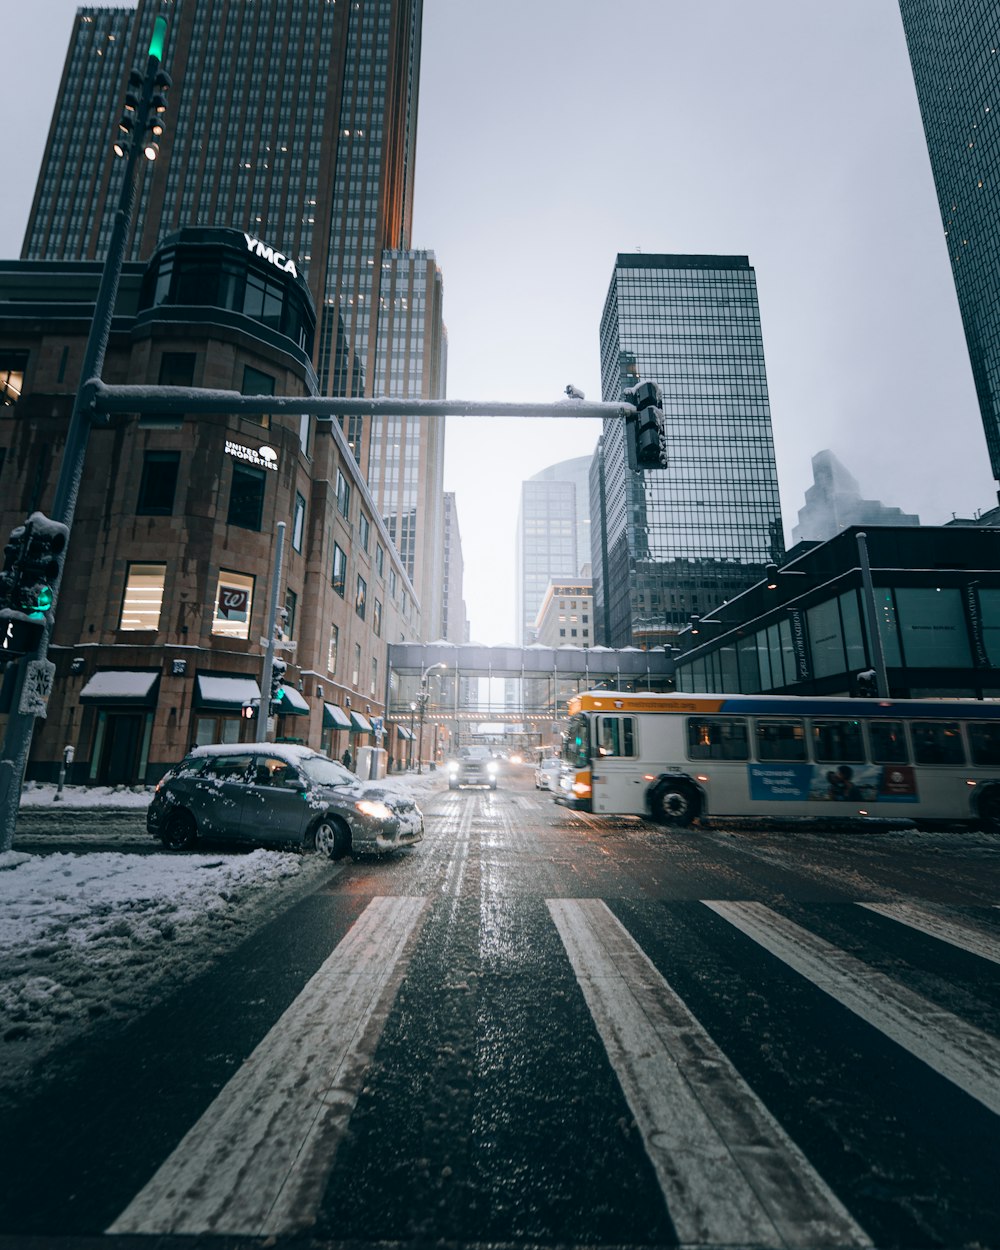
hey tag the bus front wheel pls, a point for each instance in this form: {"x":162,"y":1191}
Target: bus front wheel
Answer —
{"x":674,"y":804}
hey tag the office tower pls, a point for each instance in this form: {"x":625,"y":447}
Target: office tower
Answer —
{"x":955,"y":54}
{"x":454,"y":625}
{"x":834,"y":501}
{"x":672,"y":543}
{"x":406,"y":462}
{"x":295,"y":123}
{"x":553,"y":535}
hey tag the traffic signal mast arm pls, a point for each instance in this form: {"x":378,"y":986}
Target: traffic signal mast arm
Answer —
{"x":172,"y":400}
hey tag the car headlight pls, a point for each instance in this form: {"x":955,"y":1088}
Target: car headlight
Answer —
{"x":375,"y":809}
{"x":491,"y":768}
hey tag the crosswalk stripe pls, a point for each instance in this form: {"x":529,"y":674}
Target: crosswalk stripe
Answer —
{"x":966,"y":938}
{"x":967,"y":1056}
{"x":728,"y":1171}
{"x":257,"y":1161}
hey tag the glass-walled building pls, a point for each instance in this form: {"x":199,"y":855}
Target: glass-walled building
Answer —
{"x":936,"y":598}
{"x":956,"y":67}
{"x":671,"y":543}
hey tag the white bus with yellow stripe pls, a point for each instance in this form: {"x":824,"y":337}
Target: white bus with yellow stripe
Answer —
{"x":676,"y":758}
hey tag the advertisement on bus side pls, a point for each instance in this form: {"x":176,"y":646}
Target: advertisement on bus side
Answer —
{"x":853,"y":783}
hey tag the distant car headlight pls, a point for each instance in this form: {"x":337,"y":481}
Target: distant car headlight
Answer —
{"x":375,"y":809}
{"x":491,"y":768}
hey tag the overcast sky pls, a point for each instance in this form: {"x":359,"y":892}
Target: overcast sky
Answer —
{"x":555,"y":133}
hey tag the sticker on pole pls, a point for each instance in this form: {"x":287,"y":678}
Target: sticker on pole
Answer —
{"x":38,"y":678}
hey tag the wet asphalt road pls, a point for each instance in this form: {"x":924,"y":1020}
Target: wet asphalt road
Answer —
{"x":539,"y":1028}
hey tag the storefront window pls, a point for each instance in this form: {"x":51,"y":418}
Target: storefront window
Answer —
{"x":932,"y":627}
{"x":825,"y":639}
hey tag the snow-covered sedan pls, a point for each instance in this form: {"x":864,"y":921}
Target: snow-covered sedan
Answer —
{"x":275,"y":793}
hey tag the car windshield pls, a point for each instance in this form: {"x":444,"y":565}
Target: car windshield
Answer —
{"x":326,"y":772}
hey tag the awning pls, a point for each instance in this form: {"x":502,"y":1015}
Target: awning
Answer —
{"x":122,"y":686}
{"x":335,"y":717}
{"x":292,"y":702}
{"x":404,"y":733}
{"x":359,"y":724}
{"x":224,"y":694}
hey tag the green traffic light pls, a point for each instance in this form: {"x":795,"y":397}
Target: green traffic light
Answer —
{"x":158,"y":39}
{"x":39,"y":601}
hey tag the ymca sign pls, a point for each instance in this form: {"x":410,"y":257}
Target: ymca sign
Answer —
{"x":278,"y":259}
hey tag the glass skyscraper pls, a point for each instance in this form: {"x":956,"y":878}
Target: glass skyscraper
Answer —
{"x":671,"y":543}
{"x":294,"y":121}
{"x":955,"y":54}
{"x":553,"y":535}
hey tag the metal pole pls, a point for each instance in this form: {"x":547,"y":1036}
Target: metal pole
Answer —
{"x":871,"y":615}
{"x":264,"y":711}
{"x":422,"y":697}
{"x":20,"y":725}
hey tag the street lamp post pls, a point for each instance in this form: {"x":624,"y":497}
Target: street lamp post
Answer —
{"x":423,"y":695}
{"x":409,"y":762}
{"x":143,"y":112}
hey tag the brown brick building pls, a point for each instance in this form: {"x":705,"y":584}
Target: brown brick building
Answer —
{"x":164,"y":598}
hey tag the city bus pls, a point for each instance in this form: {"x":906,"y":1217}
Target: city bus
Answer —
{"x":678,"y":758}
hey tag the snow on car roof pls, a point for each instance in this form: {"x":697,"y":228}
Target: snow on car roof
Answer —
{"x":289,"y":751}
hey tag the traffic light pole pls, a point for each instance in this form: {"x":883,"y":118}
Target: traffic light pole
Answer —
{"x":264,"y":711}
{"x":21,"y":720}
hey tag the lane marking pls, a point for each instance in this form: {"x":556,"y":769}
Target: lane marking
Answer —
{"x":729,"y":1172}
{"x":963,"y":1054}
{"x":257,"y":1161}
{"x":965,"y":937}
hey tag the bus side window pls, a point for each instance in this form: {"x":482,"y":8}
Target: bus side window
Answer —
{"x":616,"y":735}
{"x":937,"y":742}
{"x":781,"y":740}
{"x":985,"y":742}
{"x":717,"y":739}
{"x":838,"y":741}
{"x":888,"y":742}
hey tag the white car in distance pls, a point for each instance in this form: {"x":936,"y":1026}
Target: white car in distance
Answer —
{"x":547,"y":774}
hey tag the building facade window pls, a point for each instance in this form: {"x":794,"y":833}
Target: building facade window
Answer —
{"x":331,"y":656}
{"x":291,"y":607}
{"x":246,"y":497}
{"x":356,"y":671}
{"x":143,"y":598}
{"x":343,"y":495}
{"x":374,"y":682}
{"x":339,"y":578}
{"x":377,"y":618}
{"x":361,"y":597}
{"x":256,"y":382}
{"x":298,"y":522}
{"x":233,"y":605}
{"x":380,"y":560}
{"x":12,"y":367}
{"x":158,"y":484}
{"x":364,"y":530}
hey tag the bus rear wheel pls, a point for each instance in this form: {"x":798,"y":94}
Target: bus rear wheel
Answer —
{"x":989,"y":809}
{"x":674,"y":804}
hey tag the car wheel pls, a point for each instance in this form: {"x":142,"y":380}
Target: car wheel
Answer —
{"x":331,"y":839}
{"x":180,"y":831}
{"x":674,"y":804}
{"x":989,"y":809}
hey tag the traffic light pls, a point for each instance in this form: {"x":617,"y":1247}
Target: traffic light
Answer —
{"x":648,"y":430}
{"x":249,"y":711}
{"x":277,"y":678}
{"x":32,"y":562}
{"x":10,"y":578}
{"x":40,"y":564}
